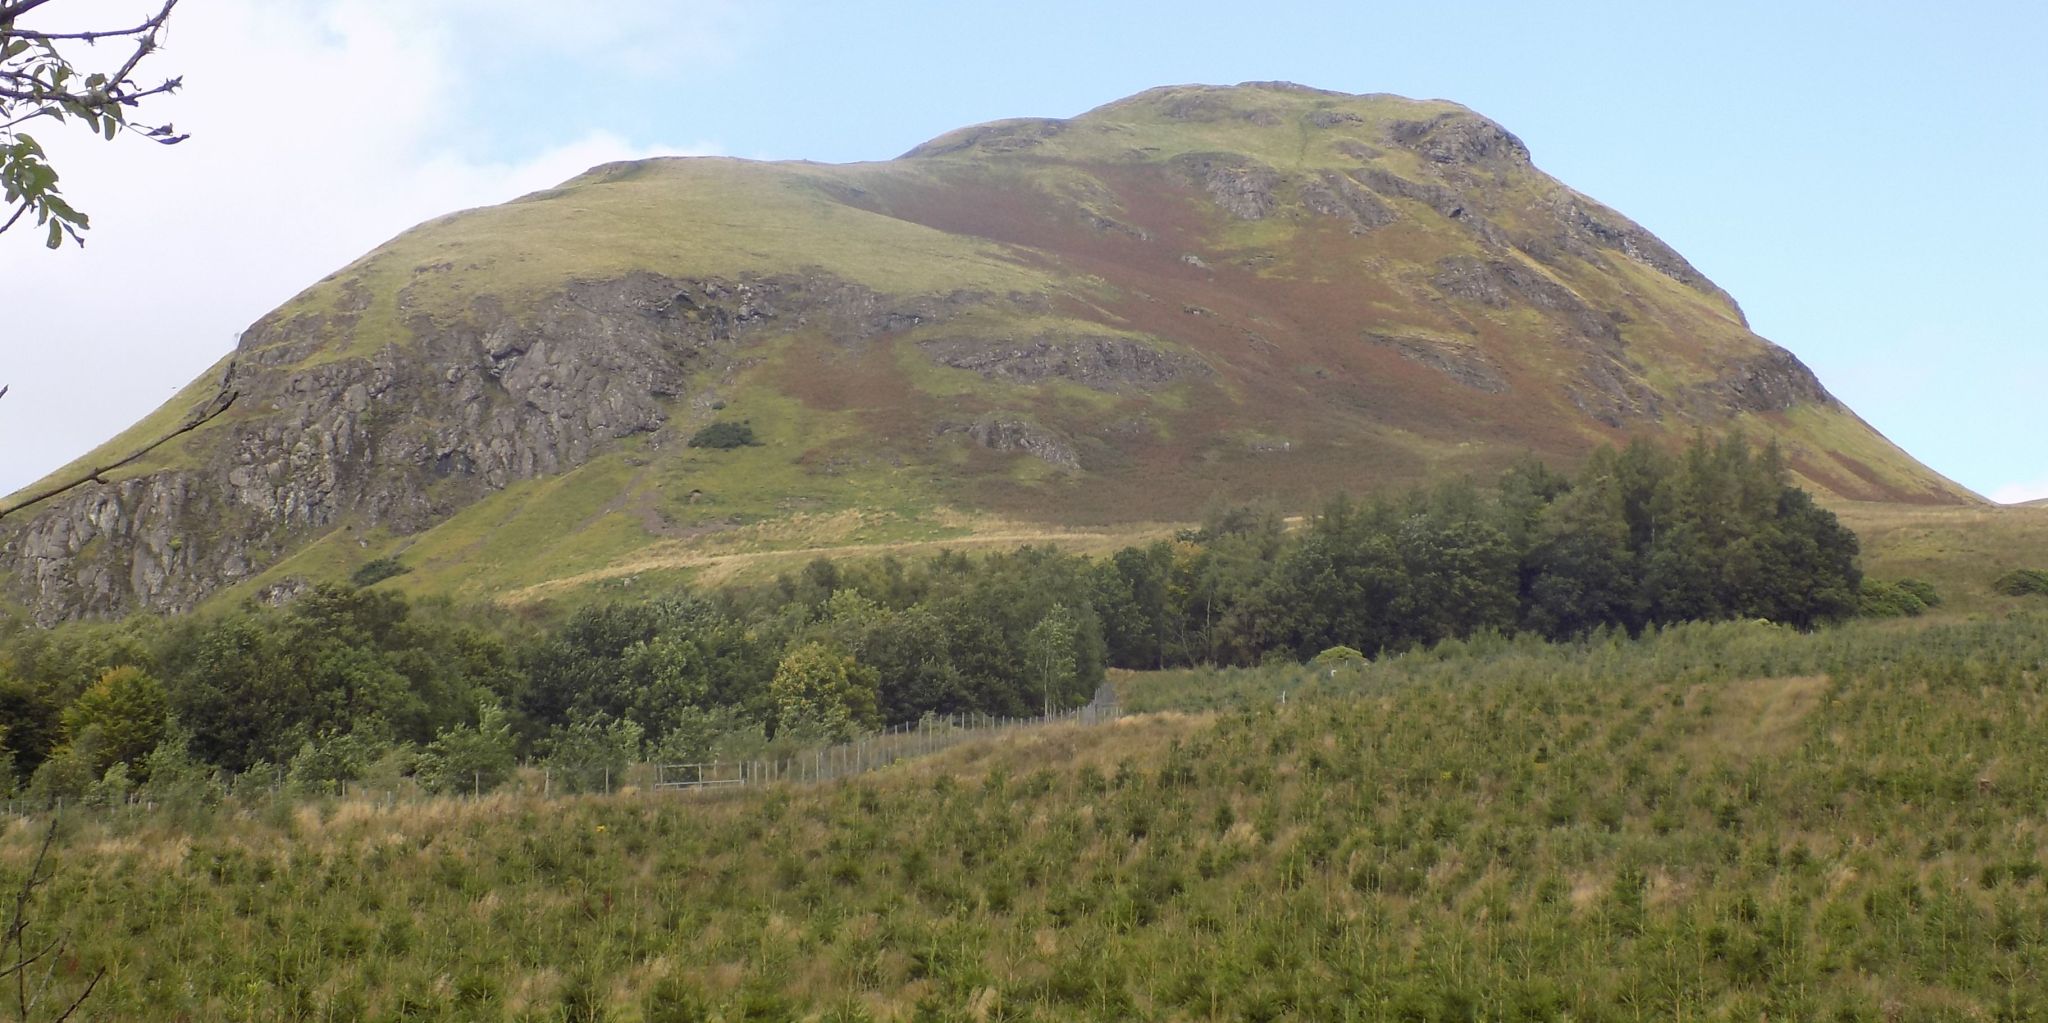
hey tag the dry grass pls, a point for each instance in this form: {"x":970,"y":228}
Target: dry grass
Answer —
{"x":1755,"y":717}
{"x":1959,"y":549}
{"x":762,"y":550}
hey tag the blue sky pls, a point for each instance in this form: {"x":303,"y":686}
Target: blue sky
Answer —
{"x":1865,"y":178}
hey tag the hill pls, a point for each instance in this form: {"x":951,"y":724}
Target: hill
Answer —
{"x":1718,"y":822}
{"x":1096,"y":322}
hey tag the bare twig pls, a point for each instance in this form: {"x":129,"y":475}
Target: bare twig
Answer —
{"x":219,"y":405}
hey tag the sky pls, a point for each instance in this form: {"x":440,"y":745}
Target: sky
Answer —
{"x":1865,"y":178}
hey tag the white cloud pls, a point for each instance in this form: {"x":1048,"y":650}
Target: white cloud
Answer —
{"x":2020,"y":493}
{"x":318,"y":132}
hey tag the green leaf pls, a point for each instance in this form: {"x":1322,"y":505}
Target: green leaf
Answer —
{"x":56,"y":234}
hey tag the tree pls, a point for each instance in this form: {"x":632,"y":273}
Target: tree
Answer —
{"x":128,"y":708}
{"x":40,"y":80}
{"x":820,"y":687}
{"x":1050,"y":646}
{"x":473,"y":758}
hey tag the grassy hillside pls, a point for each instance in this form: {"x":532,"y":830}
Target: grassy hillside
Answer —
{"x":1192,"y":293}
{"x":1960,"y":550}
{"x":1727,"y":822}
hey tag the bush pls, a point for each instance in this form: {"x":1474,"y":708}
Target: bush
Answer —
{"x":1339,"y":657}
{"x":2021,"y":582}
{"x":374,"y":572}
{"x":1907,"y":598}
{"x":1922,"y":589}
{"x":724,"y":436}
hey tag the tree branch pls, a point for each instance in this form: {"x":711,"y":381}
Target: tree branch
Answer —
{"x":151,"y":25}
{"x":9,"y":12}
{"x":220,"y":404}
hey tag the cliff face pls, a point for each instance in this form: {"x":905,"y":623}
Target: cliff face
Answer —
{"x":1190,"y":292}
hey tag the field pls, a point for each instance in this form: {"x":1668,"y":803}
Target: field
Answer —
{"x":1715,"y":822}
{"x":1959,"y":550}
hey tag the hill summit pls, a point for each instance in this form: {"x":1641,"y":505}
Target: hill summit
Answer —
{"x":1196,"y":291}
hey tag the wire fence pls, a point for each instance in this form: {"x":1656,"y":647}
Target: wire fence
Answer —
{"x":858,"y":755}
{"x":875,"y":750}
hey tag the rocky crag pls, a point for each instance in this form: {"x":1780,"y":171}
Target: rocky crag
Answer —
{"x":1195,"y":291}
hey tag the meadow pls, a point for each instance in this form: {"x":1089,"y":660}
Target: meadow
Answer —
{"x":1730,"y":821}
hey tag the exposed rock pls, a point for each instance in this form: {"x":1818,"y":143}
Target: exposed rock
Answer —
{"x":1111,"y":225}
{"x":284,"y":591}
{"x":1460,"y":138}
{"x":1001,"y":432}
{"x":1336,"y":195}
{"x":1587,"y":228}
{"x":1775,"y":381}
{"x":1503,"y":284}
{"x":1448,"y":203}
{"x":1106,"y":363}
{"x":1609,"y":391}
{"x":1357,"y":150}
{"x":1242,"y":186}
{"x":1333,"y":118}
{"x":1461,"y":362}
{"x":399,"y":437}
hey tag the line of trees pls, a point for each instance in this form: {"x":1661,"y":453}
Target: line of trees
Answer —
{"x":348,"y":681}
{"x":1636,"y":538}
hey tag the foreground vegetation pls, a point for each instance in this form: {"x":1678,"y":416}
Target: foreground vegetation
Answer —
{"x":1732,"y":821}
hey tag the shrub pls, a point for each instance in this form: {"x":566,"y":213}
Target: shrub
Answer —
{"x":374,"y":572}
{"x":1922,"y":589}
{"x":724,"y":436}
{"x":1339,"y":657}
{"x":1907,"y":598}
{"x":2021,"y":582}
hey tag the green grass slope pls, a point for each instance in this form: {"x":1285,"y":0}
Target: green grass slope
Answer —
{"x":1724,"y":822}
{"x":1348,"y":292}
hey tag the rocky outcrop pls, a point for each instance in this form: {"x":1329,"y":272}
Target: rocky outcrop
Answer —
{"x":1003,"y":432}
{"x":1775,"y":381}
{"x":1331,"y":194}
{"x":400,"y":436}
{"x":1103,"y":362}
{"x":1460,"y":138}
{"x":1508,"y":284}
{"x":1466,"y":365}
{"x":1241,"y":186}
{"x":1608,"y":389}
{"x":1585,"y":230}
